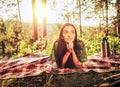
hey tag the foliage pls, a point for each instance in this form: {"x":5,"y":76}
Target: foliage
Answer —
{"x":25,"y":47}
{"x":114,"y":43}
{"x":11,"y":38}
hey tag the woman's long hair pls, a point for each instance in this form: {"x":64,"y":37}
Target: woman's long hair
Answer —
{"x":61,"y":48}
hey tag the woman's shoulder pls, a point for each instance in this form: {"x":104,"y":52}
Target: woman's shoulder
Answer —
{"x":55,"y":44}
{"x":80,"y":41}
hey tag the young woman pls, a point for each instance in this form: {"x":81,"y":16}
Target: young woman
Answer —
{"x":68,"y":51}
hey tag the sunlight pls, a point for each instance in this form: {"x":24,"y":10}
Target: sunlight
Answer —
{"x":42,"y":11}
{"x":53,"y":14}
{"x":90,"y":22}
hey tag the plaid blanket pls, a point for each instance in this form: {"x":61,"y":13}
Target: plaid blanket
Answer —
{"x":30,"y":65}
{"x":36,"y":64}
{"x":98,"y":64}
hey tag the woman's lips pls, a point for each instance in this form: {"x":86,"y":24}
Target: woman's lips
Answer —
{"x":69,"y":40}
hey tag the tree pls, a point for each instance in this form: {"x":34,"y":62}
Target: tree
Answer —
{"x":11,"y":34}
{"x":102,"y":10}
{"x":3,"y":34}
{"x":118,"y":16}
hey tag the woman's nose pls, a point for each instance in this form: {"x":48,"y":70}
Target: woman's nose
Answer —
{"x":69,"y":34}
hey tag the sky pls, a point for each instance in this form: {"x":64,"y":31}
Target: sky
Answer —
{"x":52,"y":14}
{"x":26,"y":12}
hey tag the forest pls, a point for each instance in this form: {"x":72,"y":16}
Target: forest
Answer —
{"x":19,"y":38}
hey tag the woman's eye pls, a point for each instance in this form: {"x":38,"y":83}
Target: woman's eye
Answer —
{"x":72,"y":31}
{"x":65,"y":32}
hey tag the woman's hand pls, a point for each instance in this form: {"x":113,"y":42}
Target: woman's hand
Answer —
{"x":70,"y":46}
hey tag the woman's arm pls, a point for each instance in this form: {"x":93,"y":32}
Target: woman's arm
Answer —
{"x":65,"y":58}
{"x":75,"y":59}
{"x":71,"y":51}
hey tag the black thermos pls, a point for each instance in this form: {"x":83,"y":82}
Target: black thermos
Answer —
{"x":105,"y":49}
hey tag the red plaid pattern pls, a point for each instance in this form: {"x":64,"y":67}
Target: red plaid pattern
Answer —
{"x":36,"y":64}
{"x":95,"y":63}
{"x":31,"y":65}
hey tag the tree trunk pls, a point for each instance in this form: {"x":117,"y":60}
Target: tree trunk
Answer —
{"x":106,"y":6}
{"x":19,"y":11}
{"x":44,"y":19}
{"x":118,"y":16}
{"x":3,"y":48}
{"x":79,"y":2}
{"x":35,"y":20}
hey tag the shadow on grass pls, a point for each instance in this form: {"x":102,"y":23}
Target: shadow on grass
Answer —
{"x":89,"y":79}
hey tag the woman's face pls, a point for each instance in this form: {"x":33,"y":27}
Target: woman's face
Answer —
{"x":68,"y":34}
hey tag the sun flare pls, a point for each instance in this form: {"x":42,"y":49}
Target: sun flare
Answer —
{"x":53,"y":13}
{"x":42,"y":11}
